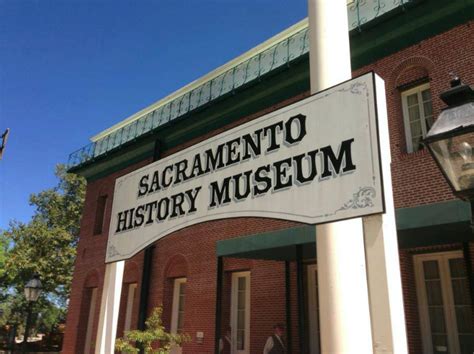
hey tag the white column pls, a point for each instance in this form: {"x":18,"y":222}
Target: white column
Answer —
{"x":109,"y":308}
{"x":342,"y":281}
{"x":382,"y":257}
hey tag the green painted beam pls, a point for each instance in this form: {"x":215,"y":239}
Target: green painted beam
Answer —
{"x":268,"y":240}
{"x":450,"y":212}
{"x":433,"y":224}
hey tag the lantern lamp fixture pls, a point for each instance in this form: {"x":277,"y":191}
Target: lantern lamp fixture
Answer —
{"x":451,"y":139}
{"x":33,"y":289}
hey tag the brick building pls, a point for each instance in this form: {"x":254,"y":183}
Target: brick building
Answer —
{"x":266,"y":268}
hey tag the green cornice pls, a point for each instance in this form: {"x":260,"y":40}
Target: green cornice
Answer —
{"x":414,"y":23}
{"x":388,"y":34}
{"x":270,"y":90}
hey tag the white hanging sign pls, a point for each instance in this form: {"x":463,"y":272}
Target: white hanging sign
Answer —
{"x":314,"y":161}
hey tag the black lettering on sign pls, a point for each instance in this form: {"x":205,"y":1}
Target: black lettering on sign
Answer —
{"x":332,"y":165}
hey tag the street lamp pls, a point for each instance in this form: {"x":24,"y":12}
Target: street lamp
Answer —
{"x":451,"y":139}
{"x":32,"y":292}
{"x":451,"y":142}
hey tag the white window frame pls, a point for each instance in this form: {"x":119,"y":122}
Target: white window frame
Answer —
{"x":233,"y":312}
{"x":448,"y":302}
{"x":175,"y":307}
{"x":90,"y":321}
{"x":174,"y":311}
{"x":406,"y":118}
{"x":132,"y":288}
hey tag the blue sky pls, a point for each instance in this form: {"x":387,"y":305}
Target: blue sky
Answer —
{"x":71,"y":68}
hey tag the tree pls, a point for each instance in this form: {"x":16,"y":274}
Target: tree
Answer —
{"x":46,"y":246}
{"x":154,"y":334}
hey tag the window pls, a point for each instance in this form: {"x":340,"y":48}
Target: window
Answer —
{"x":240,"y":313}
{"x":444,"y":303}
{"x":90,"y":320}
{"x":132,"y":288}
{"x":417,"y":115}
{"x":99,"y":214}
{"x":177,"y":312}
{"x":179,"y":293}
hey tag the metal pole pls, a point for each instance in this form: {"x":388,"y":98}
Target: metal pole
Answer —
{"x":27,"y":328}
{"x":301,"y":312}
{"x":218,"y":319}
{"x":145,"y":287}
{"x":289,"y":343}
{"x":342,"y":283}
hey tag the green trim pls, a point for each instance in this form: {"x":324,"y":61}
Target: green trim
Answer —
{"x":425,"y":225}
{"x":451,"y":212}
{"x":422,"y":20}
{"x":393,"y":32}
{"x":435,"y":235}
{"x":272,"y":89}
{"x":269,"y":240}
{"x":120,"y":160}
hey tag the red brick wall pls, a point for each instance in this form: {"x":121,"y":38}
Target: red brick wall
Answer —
{"x":416,"y":181}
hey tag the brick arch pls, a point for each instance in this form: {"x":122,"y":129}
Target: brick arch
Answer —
{"x":92,"y":279}
{"x":409,"y":70}
{"x":91,"y":282}
{"x":176,"y":267}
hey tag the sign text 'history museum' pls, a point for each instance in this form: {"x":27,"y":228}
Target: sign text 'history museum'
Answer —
{"x":314,"y":161}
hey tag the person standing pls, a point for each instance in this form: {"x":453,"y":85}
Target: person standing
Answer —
{"x":225,"y":346}
{"x":275,"y":343}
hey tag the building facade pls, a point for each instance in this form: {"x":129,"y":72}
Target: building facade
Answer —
{"x":247,"y":274}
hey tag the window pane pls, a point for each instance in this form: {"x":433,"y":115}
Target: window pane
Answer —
{"x":181,"y":303}
{"x":429,"y":123}
{"x":460,"y":291}
{"x":431,"y":269}
{"x":241,"y":319}
{"x":241,"y":300}
{"x":242,"y":283}
{"x":414,"y":113}
{"x":416,"y":129}
{"x":426,"y":95}
{"x":433,"y":293}
{"x":182,"y":289}
{"x":437,"y":320}
{"x":412,"y":99}
{"x":180,"y":321}
{"x":240,"y":340}
{"x":428,"y":109}
{"x":457,"y":268}
{"x":418,"y":107}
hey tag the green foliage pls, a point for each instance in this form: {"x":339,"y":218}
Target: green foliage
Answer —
{"x":46,"y":246}
{"x":154,"y":335}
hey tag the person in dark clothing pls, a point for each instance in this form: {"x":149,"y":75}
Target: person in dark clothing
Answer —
{"x":225,"y":346}
{"x":275,"y":343}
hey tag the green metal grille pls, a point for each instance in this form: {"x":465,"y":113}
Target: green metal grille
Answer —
{"x":279,"y":55}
